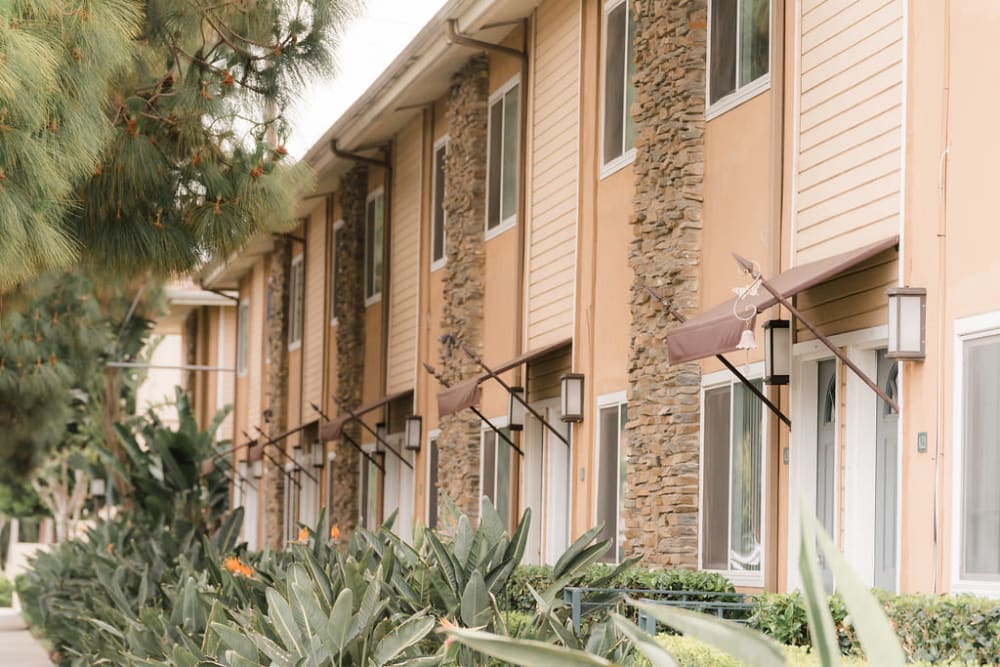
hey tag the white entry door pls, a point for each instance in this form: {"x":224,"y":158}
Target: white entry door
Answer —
{"x":545,"y":484}
{"x":885,"y":476}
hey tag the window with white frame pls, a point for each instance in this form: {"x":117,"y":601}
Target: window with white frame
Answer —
{"x":978,"y":465}
{"x":374,"y":234}
{"x":371,"y":489}
{"x":732,"y":473}
{"x":498,"y":471}
{"x":433,"y":492}
{"x":242,"y":338}
{"x":619,"y":84}
{"x":293,"y":481}
{"x":439,"y":215}
{"x":338,"y":235}
{"x":740,"y":51}
{"x":295,"y":302}
{"x":612,"y":471}
{"x":501,"y":168}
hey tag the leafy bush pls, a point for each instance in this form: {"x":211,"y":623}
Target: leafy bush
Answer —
{"x":930,"y":627}
{"x":6,"y":591}
{"x":539,"y":577}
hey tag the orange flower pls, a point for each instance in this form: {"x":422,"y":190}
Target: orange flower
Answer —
{"x":234,"y":565}
{"x":303,"y":534}
{"x":444,"y":626}
{"x":109,"y":548}
{"x":334,"y":532}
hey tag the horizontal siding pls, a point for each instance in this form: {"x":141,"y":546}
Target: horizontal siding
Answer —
{"x":545,"y":374}
{"x":314,"y":314}
{"x":405,"y":240}
{"x":554,"y":141}
{"x":855,"y":299}
{"x":850,"y":140}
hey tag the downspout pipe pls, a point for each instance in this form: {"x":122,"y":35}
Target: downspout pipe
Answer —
{"x":456,"y":37}
{"x":386,"y":165}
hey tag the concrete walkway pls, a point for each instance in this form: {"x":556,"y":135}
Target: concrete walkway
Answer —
{"x":17,"y":647}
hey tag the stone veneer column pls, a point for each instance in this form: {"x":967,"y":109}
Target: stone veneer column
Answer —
{"x":465,"y":204}
{"x":277,"y":392}
{"x":661,"y":519}
{"x":350,"y":263}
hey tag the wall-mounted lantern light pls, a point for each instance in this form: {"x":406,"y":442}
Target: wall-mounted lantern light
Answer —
{"x":777,"y":351}
{"x":907,"y":322}
{"x":414,"y":432}
{"x":297,"y":454}
{"x":515,"y":409}
{"x":97,"y":487}
{"x":380,"y":435}
{"x":241,"y":470}
{"x":258,"y":468}
{"x":317,"y":454}
{"x":572,"y":397}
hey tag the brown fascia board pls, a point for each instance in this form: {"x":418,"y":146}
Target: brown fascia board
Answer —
{"x":225,"y":274}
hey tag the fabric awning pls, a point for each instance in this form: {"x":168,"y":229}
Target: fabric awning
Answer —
{"x":332,"y":429}
{"x":466,"y":393}
{"x":718,"y":330}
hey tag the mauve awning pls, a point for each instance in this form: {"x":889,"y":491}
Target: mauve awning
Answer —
{"x":466,"y":393}
{"x":718,"y":330}
{"x":332,"y":429}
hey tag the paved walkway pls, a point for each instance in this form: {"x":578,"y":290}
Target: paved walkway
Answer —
{"x":17,"y":647}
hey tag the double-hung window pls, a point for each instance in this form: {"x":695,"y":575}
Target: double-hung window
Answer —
{"x":619,"y":85}
{"x":498,"y":472}
{"x":739,"y":59}
{"x":976,"y":559}
{"x":732,"y":474}
{"x":295,"y":302}
{"x":612,"y":471}
{"x":242,"y":338}
{"x":501,"y":168}
{"x":439,"y":216}
{"x":433,"y":492}
{"x":374,"y":230}
{"x":338,"y":235}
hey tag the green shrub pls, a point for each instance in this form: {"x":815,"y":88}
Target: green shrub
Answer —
{"x":930,"y":628}
{"x":6,"y":591}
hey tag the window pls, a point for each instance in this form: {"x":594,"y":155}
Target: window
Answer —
{"x":331,"y":490}
{"x":501,"y":167}
{"x":242,"y":334}
{"x":269,"y":298}
{"x":732,"y":482}
{"x":433,"y":493}
{"x":978,"y":459}
{"x":295,"y":296}
{"x":437,"y":223}
{"x":739,"y":56}
{"x":374,"y":228}
{"x":371,"y":489}
{"x":338,"y":235}
{"x":497,"y":478}
{"x":293,"y":481}
{"x":612,"y":471}
{"x":619,"y":85}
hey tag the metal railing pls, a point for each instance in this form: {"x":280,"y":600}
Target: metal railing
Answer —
{"x":735,"y":607}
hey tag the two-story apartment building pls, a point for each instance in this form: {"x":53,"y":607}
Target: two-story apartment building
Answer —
{"x":510,"y":225}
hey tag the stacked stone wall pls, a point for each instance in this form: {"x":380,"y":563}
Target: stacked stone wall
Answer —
{"x":350,"y":345}
{"x":661,"y":520}
{"x":465,"y":204}
{"x":277,"y":392}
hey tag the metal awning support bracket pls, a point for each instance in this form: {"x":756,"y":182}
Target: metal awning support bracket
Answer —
{"x":670,"y":308}
{"x":476,"y":358}
{"x":748,"y":266}
{"x":275,"y":461}
{"x":355,"y":417}
{"x":351,"y":441}
{"x":500,"y":434}
{"x":274,"y":443}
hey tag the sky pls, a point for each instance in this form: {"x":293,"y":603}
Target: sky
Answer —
{"x":369,"y":43}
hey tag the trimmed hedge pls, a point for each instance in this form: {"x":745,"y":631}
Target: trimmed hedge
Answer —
{"x":6,"y":591}
{"x":518,"y":597}
{"x":931,"y":628}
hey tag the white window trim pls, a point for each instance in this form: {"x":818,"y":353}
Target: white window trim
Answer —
{"x":754,"y":371}
{"x":613,"y":399}
{"x":294,"y":344}
{"x":966,"y":329}
{"x":511,"y":221}
{"x":433,"y":434}
{"x":246,"y":346}
{"x":337,"y":226}
{"x":750,"y":90}
{"x":438,"y":263}
{"x":628,"y":157}
{"x":374,"y":194}
{"x":499,"y":423}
